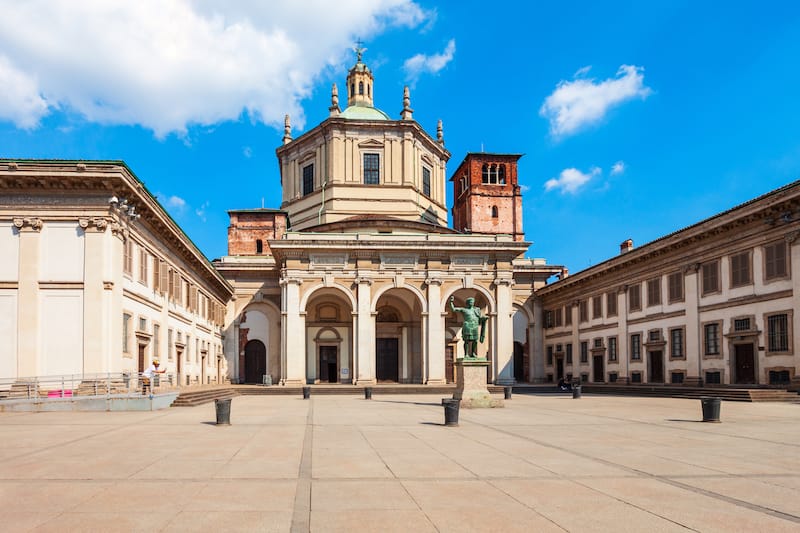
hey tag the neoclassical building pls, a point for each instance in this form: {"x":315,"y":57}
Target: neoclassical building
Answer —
{"x":714,"y":303}
{"x":96,"y":278}
{"x":349,"y":281}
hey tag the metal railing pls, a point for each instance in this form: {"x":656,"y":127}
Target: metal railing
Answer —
{"x":71,"y":385}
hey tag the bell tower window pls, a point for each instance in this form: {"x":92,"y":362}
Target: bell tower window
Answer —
{"x":259,"y":246}
{"x":501,"y":175}
{"x":361,"y":87}
{"x":494,"y":211}
{"x":426,"y":181}
{"x":308,"y":179}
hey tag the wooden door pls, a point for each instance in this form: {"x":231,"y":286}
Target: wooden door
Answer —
{"x":449,"y":369}
{"x":328,"y":364}
{"x":655,"y":364}
{"x":598,"y":369}
{"x":386,"y":354}
{"x":255,"y":361}
{"x":744,"y":361}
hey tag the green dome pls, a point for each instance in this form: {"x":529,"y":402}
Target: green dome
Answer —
{"x":357,"y":112}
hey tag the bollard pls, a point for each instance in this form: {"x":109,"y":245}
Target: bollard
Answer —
{"x":223,"y":408}
{"x":507,"y":392}
{"x":451,"y":406}
{"x":711,"y":407}
{"x":306,"y":392}
{"x":367,"y":393}
{"x":576,"y":391}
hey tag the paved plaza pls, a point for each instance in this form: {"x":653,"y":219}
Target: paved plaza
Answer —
{"x":342,"y":463}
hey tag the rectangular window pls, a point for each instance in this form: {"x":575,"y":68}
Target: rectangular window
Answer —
{"x":741,"y":324}
{"x":584,"y":352}
{"x":188,"y":348}
{"x":426,"y":181}
{"x":549,"y":355}
{"x":170,"y":343}
{"x":711,"y":338}
{"x":598,"y":342}
{"x":740,"y":269}
{"x":778,"y":333}
{"x":775,"y":261}
{"x":568,"y":315}
{"x":635,"y":297}
{"x":569,"y":353}
{"x":548,"y":318}
{"x":714,"y":378}
{"x":597,"y":307}
{"x":308,"y":179}
{"x":142,"y":323}
{"x":710,"y":277}
{"x":126,"y":330}
{"x":127,"y":257}
{"x":676,"y":343}
{"x":636,"y":377}
{"x":654,"y":335}
{"x":372,"y":169}
{"x":557,"y":316}
{"x":675,"y":282}
{"x":583,"y":311}
{"x":163,"y":273}
{"x":144,"y":263}
{"x":612,"y":348}
{"x":636,"y":347}
{"x":611,"y":303}
{"x":654,"y":292}
{"x":156,"y":340}
{"x":676,"y":378}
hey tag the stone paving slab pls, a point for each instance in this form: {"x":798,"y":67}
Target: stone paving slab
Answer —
{"x":342,"y":463}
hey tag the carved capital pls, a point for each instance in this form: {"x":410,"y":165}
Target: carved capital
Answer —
{"x":364,"y":279}
{"x":433,"y":281}
{"x":288,"y":280}
{"x":691,"y":268}
{"x":32,"y":223}
{"x":100,"y":223}
{"x":83,"y":222}
{"x":504,"y":281}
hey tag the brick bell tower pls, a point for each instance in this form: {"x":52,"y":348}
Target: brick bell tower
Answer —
{"x":486,"y":196}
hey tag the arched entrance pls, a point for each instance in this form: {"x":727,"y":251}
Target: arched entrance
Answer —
{"x":398,"y":337}
{"x":255,"y":361}
{"x":519,"y":362}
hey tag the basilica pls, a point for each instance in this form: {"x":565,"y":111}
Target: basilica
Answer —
{"x":349,"y":280}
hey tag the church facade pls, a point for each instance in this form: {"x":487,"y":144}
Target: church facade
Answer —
{"x":349,"y":281}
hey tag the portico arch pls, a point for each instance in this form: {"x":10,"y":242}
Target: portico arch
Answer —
{"x":399,"y":336}
{"x":328,"y":335}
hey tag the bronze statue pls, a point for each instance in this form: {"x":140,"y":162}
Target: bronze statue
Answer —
{"x":473,"y":320}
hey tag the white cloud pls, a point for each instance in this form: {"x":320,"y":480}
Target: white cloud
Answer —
{"x":416,"y":65}
{"x":175,"y":202}
{"x":201,"y":211}
{"x":20,"y":101}
{"x":618,"y":168}
{"x":571,"y":179}
{"x":581,"y":102}
{"x":169,"y":64}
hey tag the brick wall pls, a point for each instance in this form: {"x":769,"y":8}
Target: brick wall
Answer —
{"x":248,"y":227}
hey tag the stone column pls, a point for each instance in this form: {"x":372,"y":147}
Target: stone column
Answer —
{"x":293,"y":339}
{"x":433,"y":353}
{"x":504,"y":332}
{"x":28,"y":296}
{"x":537,"y":348}
{"x":693,"y":345}
{"x":365,"y":348}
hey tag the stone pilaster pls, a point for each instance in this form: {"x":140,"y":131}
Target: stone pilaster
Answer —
{"x":537,"y":350}
{"x":434,"y":349}
{"x":365,"y":333}
{"x":693,"y":343}
{"x":28,"y":296}
{"x":504,"y":332}
{"x":293,"y":339}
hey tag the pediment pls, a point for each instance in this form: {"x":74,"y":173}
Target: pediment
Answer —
{"x":370,"y":143}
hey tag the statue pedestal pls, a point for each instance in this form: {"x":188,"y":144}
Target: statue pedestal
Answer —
{"x":471,"y":384}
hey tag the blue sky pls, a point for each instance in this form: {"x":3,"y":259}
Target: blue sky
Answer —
{"x":636,"y":118}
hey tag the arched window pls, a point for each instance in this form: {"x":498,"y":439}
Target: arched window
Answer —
{"x":259,"y":246}
{"x":361,"y":87}
{"x":501,"y":175}
{"x":494,"y":211}
{"x":485,"y":173}
{"x":352,"y":89}
{"x":369,"y":90}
